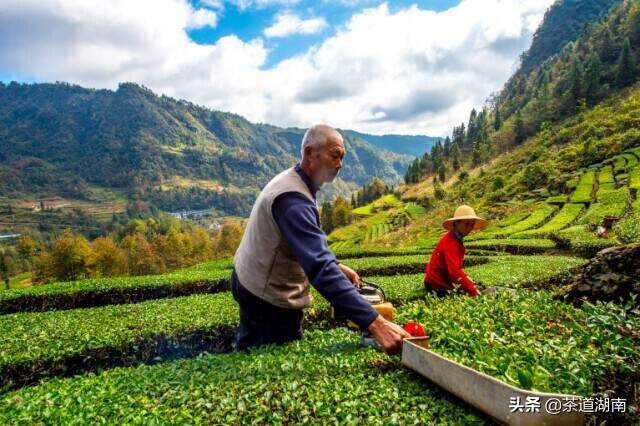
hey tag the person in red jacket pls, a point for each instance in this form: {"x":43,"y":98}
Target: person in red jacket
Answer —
{"x":444,"y":269}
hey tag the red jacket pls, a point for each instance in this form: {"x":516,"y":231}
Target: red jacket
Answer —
{"x":445,"y":266}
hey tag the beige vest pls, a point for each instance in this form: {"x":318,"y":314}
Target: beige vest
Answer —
{"x":264,"y":262}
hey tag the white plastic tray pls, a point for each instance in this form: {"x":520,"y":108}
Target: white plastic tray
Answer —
{"x":486,"y":393}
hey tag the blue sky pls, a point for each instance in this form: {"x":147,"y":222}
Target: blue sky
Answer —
{"x":249,"y":23}
{"x":404,"y":67}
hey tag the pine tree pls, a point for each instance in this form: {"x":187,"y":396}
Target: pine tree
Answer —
{"x":497,"y":119}
{"x":625,"y":70}
{"x":447,"y":146}
{"x":475,"y":156}
{"x":481,"y":130}
{"x":441,"y":173}
{"x":608,"y":49}
{"x":410,"y":176}
{"x":520,"y":135}
{"x":459,"y":135}
{"x":326,"y":217}
{"x":633,"y":24}
{"x":455,"y":157}
{"x":472,"y":128}
{"x":592,"y":76}
{"x":576,"y":78}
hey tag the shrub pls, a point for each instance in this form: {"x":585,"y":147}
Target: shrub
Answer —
{"x":535,"y":175}
{"x":557,"y":199}
{"x":50,"y":343}
{"x":516,"y":246}
{"x":538,"y":217}
{"x":582,"y":194}
{"x":498,"y":183}
{"x":204,"y":278}
{"x":323,"y":379}
{"x":582,"y":241}
{"x":634,"y":178}
{"x":565,"y":217}
{"x":628,"y":229}
{"x":555,"y":346}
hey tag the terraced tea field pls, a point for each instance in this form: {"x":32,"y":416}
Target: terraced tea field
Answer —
{"x":602,"y":191}
{"x":551,"y":160}
{"x":599,"y":192}
{"x":158,"y":349}
{"x":166,"y":356}
{"x":149,"y":349}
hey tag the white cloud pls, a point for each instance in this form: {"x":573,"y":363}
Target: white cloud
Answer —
{"x":410,"y":71}
{"x":202,"y":18}
{"x":288,"y":23}
{"x":212,"y":4}
{"x":246,"y":4}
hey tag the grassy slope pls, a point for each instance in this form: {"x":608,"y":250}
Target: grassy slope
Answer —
{"x":563,"y":151}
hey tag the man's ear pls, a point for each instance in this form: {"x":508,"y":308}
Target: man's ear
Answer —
{"x":309,"y":151}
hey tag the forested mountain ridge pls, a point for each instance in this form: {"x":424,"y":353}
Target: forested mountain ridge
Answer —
{"x":563,"y":22}
{"x":63,"y":140}
{"x":563,"y":138}
{"x":600,"y":63}
{"x":401,"y":144}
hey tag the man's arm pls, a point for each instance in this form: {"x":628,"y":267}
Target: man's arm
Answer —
{"x":296,"y":218}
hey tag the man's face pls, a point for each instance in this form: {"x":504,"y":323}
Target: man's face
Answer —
{"x":465,"y":226}
{"x":326,"y":161}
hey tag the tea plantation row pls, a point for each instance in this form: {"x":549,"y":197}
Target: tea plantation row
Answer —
{"x":42,"y":344}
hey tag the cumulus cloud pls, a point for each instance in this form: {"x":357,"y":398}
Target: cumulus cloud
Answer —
{"x":99,"y":44}
{"x":405,"y":71}
{"x":412,"y":71}
{"x":202,"y":18}
{"x":288,"y":23}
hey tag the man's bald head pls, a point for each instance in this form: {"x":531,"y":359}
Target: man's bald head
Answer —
{"x":317,"y":136}
{"x":322,"y":152}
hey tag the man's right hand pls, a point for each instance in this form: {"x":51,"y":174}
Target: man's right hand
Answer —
{"x":388,"y":335}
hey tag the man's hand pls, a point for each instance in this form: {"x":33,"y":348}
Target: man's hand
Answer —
{"x":350,"y":274}
{"x":489,"y":291}
{"x":388,"y":334}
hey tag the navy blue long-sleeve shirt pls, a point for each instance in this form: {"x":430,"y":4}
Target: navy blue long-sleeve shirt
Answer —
{"x":298,"y":221}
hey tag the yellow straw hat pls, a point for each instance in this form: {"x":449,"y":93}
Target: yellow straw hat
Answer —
{"x":465,"y":213}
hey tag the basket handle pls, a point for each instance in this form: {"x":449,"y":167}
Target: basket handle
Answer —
{"x":372,"y":284}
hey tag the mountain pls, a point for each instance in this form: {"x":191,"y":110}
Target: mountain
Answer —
{"x":67,"y":141}
{"x":562,"y":23}
{"x":600,"y":63}
{"x":401,"y":144}
{"x":554,"y":156}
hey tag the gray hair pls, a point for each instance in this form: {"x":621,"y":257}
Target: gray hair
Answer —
{"x":317,"y":136}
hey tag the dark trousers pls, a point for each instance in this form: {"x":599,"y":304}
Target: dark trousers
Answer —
{"x":438,"y":292}
{"x":262,"y":323}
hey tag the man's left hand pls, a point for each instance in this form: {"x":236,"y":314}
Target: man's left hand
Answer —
{"x":350,"y":274}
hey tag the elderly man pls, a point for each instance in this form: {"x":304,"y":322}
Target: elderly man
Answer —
{"x":283,"y":250}
{"x":445,"y":265}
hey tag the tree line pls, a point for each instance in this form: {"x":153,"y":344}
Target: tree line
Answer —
{"x":143,"y":246}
